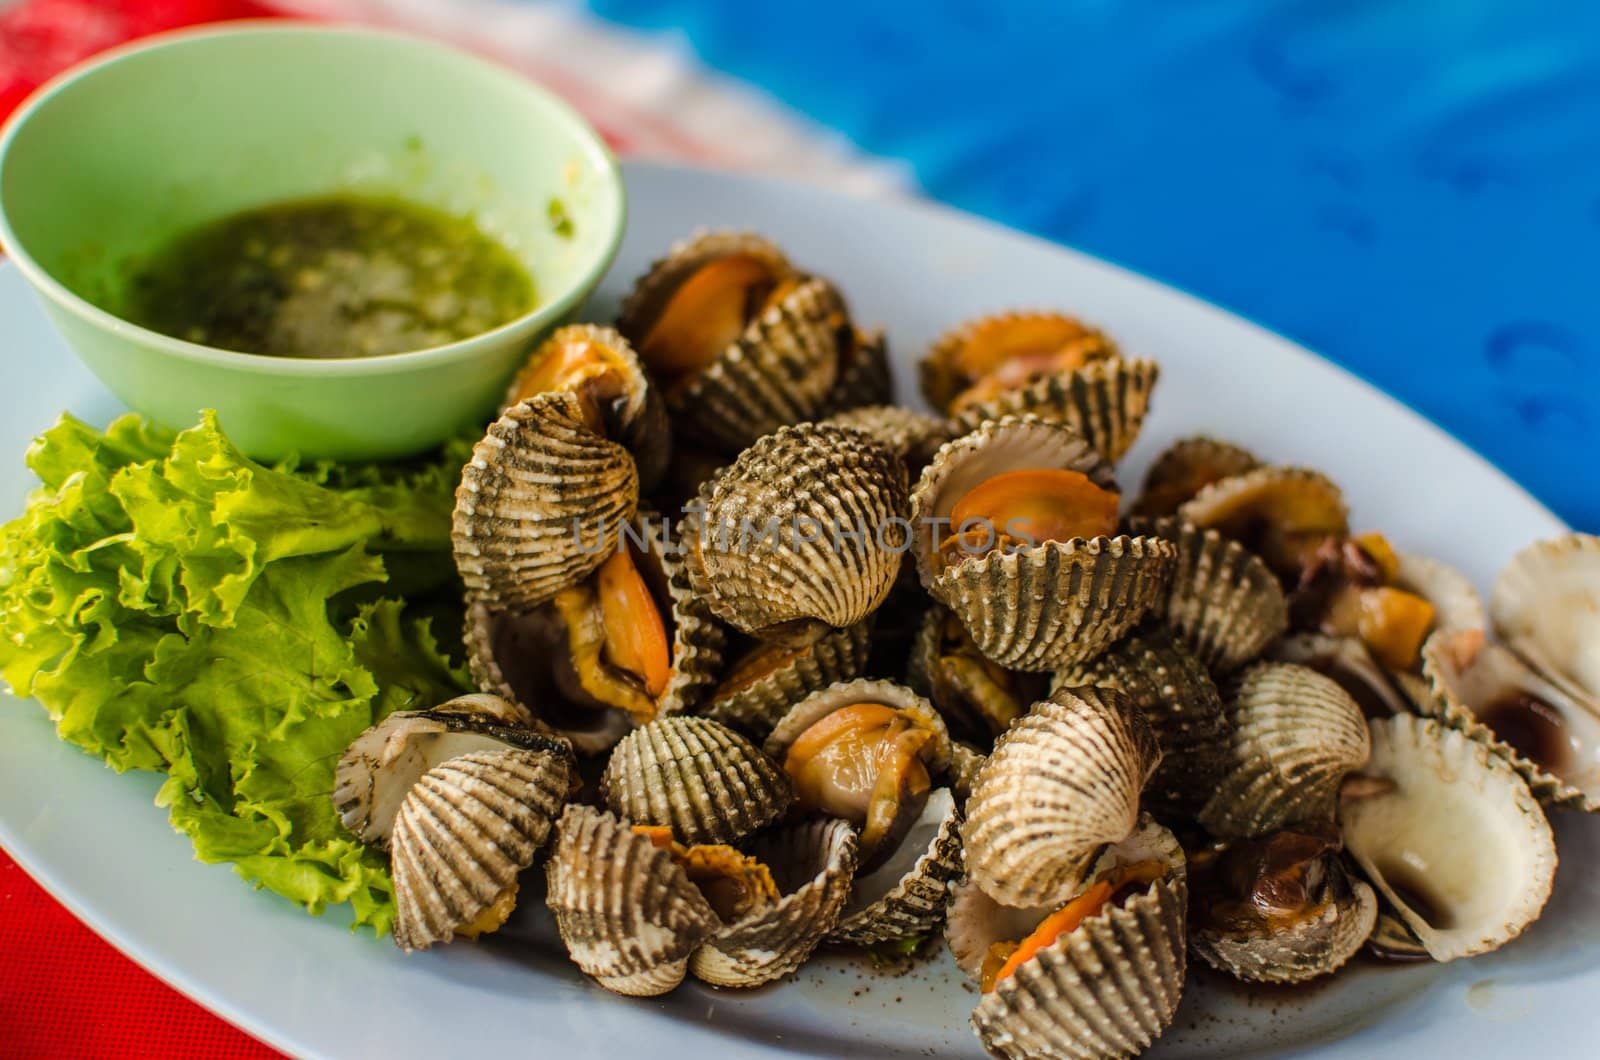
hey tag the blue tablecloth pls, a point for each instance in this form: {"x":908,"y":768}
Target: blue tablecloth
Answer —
{"x":1412,"y":189}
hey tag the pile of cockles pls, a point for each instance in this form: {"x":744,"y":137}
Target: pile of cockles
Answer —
{"x":765,"y":661}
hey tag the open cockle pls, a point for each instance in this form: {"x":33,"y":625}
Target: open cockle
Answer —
{"x":741,"y":341}
{"x":1097,"y":974}
{"x":1015,"y":531}
{"x":614,"y":650}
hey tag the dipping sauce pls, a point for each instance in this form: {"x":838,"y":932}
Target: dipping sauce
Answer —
{"x":341,"y":276}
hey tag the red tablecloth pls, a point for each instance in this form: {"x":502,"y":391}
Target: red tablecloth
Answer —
{"x":64,"y":993}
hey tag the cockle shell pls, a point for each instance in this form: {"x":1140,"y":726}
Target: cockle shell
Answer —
{"x":540,"y":504}
{"x":1448,"y":824}
{"x":753,"y":702}
{"x":383,"y":764}
{"x":864,"y":375}
{"x":1186,"y":467}
{"x":1108,"y":988}
{"x":782,"y":369}
{"x":1106,"y":401}
{"x":1042,"y":606}
{"x":508,"y":656}
{"x":912,"y":436}
{"x":1346,"y":660}
{"x":701,"y":779}
{"x":637,"y":418}
{"x":464,"y":832}
{"x":1467,"y":676}
{"x":627,"y":912}
{"x":1455,"y":600}
{"x":1546,"y":608}
{"x":1175,"y":692}
{"x":1221,"y":598}
{"x":1294,"y":502}
{"x":942,"y":377}
{"x":812,"y":863}
{"x":1295,"y":736}
{"x":805,"y":529}
{"x":905,"y":895}
{"x":1062,"y":783}
{"x":1318,"y":943}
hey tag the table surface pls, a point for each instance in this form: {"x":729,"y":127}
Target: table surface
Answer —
{"x":1412,"y":190}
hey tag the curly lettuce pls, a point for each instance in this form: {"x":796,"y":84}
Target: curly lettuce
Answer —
{"x":178,"y":607}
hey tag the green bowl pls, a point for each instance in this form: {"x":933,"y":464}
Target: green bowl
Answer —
{"x":111,"y":160}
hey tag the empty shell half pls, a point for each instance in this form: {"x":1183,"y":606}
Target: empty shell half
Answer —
{"x":1546,"y":607}
{"x":1451,"y":837}
{"x":1489,"y":693}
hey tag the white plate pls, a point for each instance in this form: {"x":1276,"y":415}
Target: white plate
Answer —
{"x":311,"y":987}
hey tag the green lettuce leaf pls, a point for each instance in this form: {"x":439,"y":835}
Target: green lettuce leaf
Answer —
{"x":178,"y":607}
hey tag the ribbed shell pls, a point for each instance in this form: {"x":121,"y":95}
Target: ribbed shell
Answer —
{"x":1346,"y":660}
{"x":813,"y":481}
{"x":1466,"y":673}
{"x":1289,"y":498}
{"x":1455,"y":600}
{"x":915,"y":903}
{"x":1179,"y":699}
{"x":1048,"y":605}
{"x":1186,"y":467}
{"x":642,"y":418}
{"x":812,"y":864}
{"x":1221,"y":598}
{"x":912,"y":436}
{"x":941,"y":378}
{"x":965,"y":761}
{"x":824,"y":701}
{"x":754,"y":708}
{"x":781,"y":371}
{"x":464,"y":832}
{"x":391,"y":753}
{"x":628,"y":914}
{"x":1107,"y":989}
{"x":1296,"y":736}
{"x":702,"y":779}
{"x":1546,"y":607}
{"x":864,"y":375}
{"x":1106,"y":401}
{"x":540,"y":503}
{"x":1062,"y":783}
{"x":1316,"y":946}
{"x":1463,"y":813}
{"x":697,"y":654}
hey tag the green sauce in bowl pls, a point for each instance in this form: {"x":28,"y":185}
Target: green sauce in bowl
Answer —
{"x":334,"y":276}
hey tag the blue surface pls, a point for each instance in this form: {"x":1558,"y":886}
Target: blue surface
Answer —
{"x":1411,"y":189}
